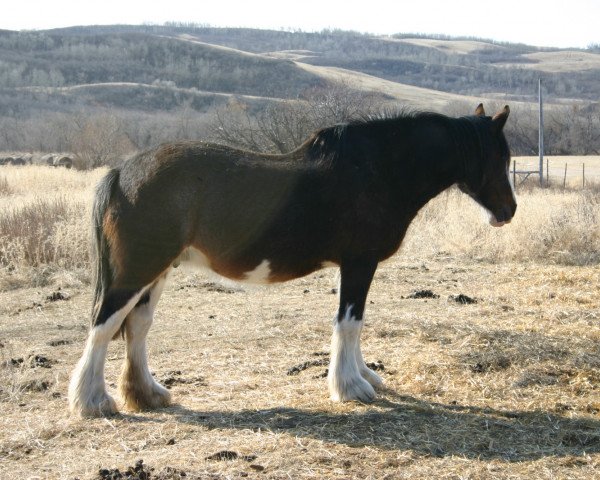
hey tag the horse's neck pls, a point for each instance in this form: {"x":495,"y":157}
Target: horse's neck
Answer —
{"x":468,"y":145}
{"x":438,"y":166}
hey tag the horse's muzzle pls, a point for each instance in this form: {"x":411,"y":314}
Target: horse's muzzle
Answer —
{"x":503,"y":216}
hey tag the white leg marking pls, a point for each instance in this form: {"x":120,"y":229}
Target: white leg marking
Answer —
{"x":368,"y":374}
{"x":344,"y":378}
{"x":87,"y":390}
{"x":260,"y":274}
{"x":137,"y":387}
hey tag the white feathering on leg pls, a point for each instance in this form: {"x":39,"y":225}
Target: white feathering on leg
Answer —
{"x":344,"y":378}
{"x":368,"y":374}
{"x":87,"y":389}
{"x":137,"y":386}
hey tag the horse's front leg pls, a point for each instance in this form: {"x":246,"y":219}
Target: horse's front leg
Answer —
{"x":349,"y":377}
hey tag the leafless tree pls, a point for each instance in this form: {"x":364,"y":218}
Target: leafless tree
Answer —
{"x":282,"y":126}
{"x":99,"y":140}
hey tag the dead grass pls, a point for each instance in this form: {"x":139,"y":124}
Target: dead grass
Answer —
{"x":506,"y":387}
{"x":551,"y":226}
{"x":4,"y":187}
{"x":44,"y":225}
{"x":410,"y":95}
{"x":555,"y":176}
{"x":561,"y":61}
{"x":503,"y":388}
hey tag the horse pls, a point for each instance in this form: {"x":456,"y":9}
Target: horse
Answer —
{"x":344,"y":198}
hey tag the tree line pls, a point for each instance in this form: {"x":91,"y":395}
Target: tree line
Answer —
{"x":106,"y":136}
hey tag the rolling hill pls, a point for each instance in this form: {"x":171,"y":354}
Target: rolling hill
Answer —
{"x":145,"y":70}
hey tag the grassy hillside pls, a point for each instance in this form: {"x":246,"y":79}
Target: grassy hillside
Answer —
{"x":245,"y":61}
{"x":159,"y":74}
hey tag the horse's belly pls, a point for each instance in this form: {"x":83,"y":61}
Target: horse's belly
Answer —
{"x":262,"y":271}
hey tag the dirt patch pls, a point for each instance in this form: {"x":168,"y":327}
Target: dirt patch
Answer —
{"x":422,"y":294}
{"x":488,"y":362}
{"x":217,"y":287}
{"x":33,"y":306}
{"x":296,"y":369}
{"x":33,"y":361}
{"x":58,"y":343}
{"x":377,"y":366}
{"x":174,"y":378}
{"x":36,"y":385}
{"x":14,"y":362}
{"x":211,"y":287}
{"x":477,"y":392}
{"x":140,"y":471}
{"x":225,"y":455}
{"x":462,"y":299}
{"x":57,"y":295}
{"x":40,"y":361}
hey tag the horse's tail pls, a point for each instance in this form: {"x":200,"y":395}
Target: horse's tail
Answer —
{"x":103,"y":272}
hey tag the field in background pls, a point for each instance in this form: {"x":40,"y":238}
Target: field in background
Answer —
{"x":488,"y":341}
{"x":577,"y":167}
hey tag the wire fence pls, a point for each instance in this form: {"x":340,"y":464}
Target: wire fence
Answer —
{"x":558,"y":171}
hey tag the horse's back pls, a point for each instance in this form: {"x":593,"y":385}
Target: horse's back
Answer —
{"x":238,"y":209}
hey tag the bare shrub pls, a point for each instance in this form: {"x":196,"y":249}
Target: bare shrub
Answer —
{"x":5,"y":187}
{"x":44,"y":233}
{"x":284,"y":126}
{"x":100,"y":140}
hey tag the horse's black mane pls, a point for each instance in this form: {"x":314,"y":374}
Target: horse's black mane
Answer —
{"x":391,"y":116}
{"x":332,"y":142}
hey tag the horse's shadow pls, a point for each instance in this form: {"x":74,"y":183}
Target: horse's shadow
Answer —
{"x":426,"y":428}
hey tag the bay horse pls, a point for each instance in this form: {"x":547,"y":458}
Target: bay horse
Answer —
{"x":344,"y":198}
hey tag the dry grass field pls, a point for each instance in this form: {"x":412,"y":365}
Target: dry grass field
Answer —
{"x":408,"y":95}
{"x":488,"y":341}
{"x":577,"y":167}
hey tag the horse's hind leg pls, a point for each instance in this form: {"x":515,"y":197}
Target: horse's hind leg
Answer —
{"x":87,"y":390}
{"x":137,"y":387}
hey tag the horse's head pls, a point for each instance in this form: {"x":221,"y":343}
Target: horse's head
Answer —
{"x":487,"y":181}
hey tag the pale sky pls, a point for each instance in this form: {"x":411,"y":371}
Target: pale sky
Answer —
{"x":556,"y":23}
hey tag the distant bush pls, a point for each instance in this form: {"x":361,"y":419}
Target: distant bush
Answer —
{"x":44,"y":232}
{"x":4,"y":187}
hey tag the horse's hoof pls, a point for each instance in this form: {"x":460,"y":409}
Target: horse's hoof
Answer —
{"x":103,"y":406}
{"x":138,"y":399}
{"x":371,"y":377}
{"x":356,"y":388}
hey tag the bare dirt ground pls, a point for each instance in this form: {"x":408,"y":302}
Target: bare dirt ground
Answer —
{"x":501,"y":382}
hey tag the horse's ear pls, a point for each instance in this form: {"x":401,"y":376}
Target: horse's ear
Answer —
{"x":500,"y":118}
{"x":479,"y":111}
